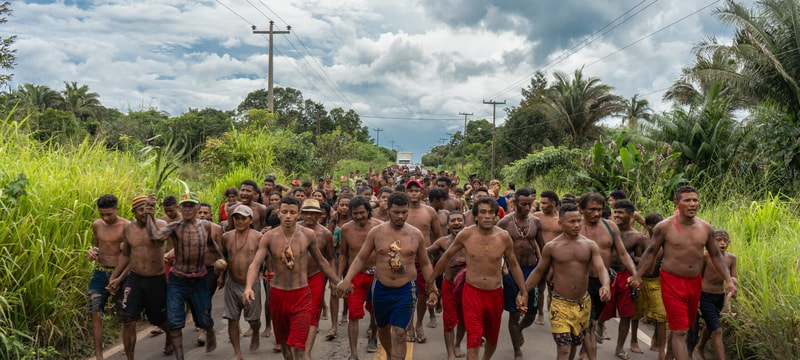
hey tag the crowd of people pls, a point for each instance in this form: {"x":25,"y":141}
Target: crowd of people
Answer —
{"x":400,"y":244}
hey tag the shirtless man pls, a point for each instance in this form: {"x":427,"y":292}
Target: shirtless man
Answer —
{"x":712,"y":299}
{"x":239,"y":248}
{"x":339,"y":216}
{"x":482,"y":296}
{"x":683,"y":237}
{"x":606,"y":235}
{"x":526,"y":234}
{"x":204,"y":213}
{"x":548,"y":216}
{"x":477,"y":193}
{"x":188,"y":282}
{"x":451,"y":203}
{"x":145,"y":287}
{"x":170,"y":207}
{"x":248,"y":191}
{"x":452,"y":315}
{"x":394,"y":248}
{"x":288,"y":246}
{"x":437,"y":198}
{"x":354,"y":234}
{"x":312,"y":212}
{"x":618,"y":195}
{"x":622,"y":300}
{"x":107,"y":233}
{"x":382,"y":212}
{"x":572,"y":257}
{"x":424,"y":218}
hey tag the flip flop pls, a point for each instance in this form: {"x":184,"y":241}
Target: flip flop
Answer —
{"x":622,"y":355}
{"x":332,"y":334}
{"x":411,"y":336}
{"x":598,"y":337}
{"x":168,"y":350}
{"x":421,"y":338}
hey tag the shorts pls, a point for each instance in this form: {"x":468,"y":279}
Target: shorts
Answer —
{"x":569,"y":319}
{"x":710,"y":307}
{"x":234,"y":302}
{"x":393,"y":305}
{"x":422,"y":286}
{"x":144,"y":293}
{"x":483,"y":312}
{"x":291,"y":315}
{"x":681,"y":298}
{"x":181,"y":290}
{"x":451,"y":308}
{"x":620,"y":299}
{"x":510,"y":292}
{"x":317,"y":285}
{"x":212,"y":281}
{"x":97,"y":286}
{"x":594,"y":294}
{"x":649,"y":302}
{"x":357,"y":300}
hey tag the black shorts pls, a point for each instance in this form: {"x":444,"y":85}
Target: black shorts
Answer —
{"x":594,"y":293}
{"x":145,"y":293}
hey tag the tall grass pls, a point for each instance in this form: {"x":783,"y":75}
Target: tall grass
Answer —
{"x":44,"y":234}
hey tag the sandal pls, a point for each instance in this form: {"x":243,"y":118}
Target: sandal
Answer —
{"x":168,"y":350}
{"x":622,"y":355}
{"x":421,"y":338}
{"x":332,"y":334}
{"x":411,"y":336}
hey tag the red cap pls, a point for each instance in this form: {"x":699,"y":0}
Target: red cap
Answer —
{"x":295,"y":182}
{"x":414,"y":181}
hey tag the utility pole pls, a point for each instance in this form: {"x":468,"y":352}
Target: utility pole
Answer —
{"x":494,"y":117}
{"x":377,"y":136}
{"x":319,"y":120}
{"x":464,"y":141}
{"x":392,"y":141}
{"x":270,"y":102}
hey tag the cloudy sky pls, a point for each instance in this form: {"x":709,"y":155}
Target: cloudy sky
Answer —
{"x":407,"y":66}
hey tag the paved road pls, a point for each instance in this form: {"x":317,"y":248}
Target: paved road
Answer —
{"x":538,"y":344}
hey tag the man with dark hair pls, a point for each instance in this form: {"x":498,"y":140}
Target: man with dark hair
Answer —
{"x":482,"y":296}
{"x":618,"y":195}
{"x":312,"y":212}
{"x":572,"y":257}
{"x":437,"y":199}
{"x":289,"y":247}
{"x":424,"y":218}
{"x":248,"y":193}
{"x":170,"y":207}
{"x":548,"y":216}
{"x":446,"y":184}
{"x":188,"y":282}
{"x":393,"y":248}
{"x":526,"y":234}
{"x":354,"y":235}
{"x":606,"y":235}
{"x":107,"y":233}
{"x":682,"y":237}
{"x":622,"y":299}
{"x":382,"y":212}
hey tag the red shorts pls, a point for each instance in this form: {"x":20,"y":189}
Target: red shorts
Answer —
{"x":681,"y":298}
{"x":357,"y":300}
{"x":451,"y":309}
{"x":483,"y":312}
{"x":317,"y":285}
{"x":291,"y":315}
{"x":422,"y":286}
{"x":620,"y":299}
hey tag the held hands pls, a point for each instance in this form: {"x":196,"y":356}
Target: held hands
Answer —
{"x":522,"y":301}
{"x":113,"y":285}
{"x":343,"y":288}
{"x":605,"y":293}
{"x":634,"y":282}
{"x":433,"y":298}
{"x":731,"y":289}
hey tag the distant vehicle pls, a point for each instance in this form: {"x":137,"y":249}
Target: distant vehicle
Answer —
{"x":405,"y":158}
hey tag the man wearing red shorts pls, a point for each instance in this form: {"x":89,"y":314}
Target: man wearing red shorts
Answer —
{"x":683,"y":237}
{"x":288,"y":246}
{"x":354,"y":233}
{"x":316,"y":279}
{"x":452,"y":314}
{"x":482,"y":296}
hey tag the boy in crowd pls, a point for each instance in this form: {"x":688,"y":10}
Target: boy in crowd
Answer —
{"x":712,"y":299}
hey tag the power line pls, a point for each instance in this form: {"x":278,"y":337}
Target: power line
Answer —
{"x":235,"y":13}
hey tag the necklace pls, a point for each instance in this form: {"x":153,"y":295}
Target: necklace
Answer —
{"x":594,"y":232}
{"x":527,"y":231}
{"x":288,"y":256}
{"x":236,"y":240}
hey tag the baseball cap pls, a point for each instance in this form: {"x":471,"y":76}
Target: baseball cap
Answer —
{"x":414,"y":181}
{"x":189,"y":198}
{"x":243,"y":210}
{"x":311,"y":205}
{"x":295,"y":182}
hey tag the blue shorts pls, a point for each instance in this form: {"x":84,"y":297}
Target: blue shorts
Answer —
{"x":510,"y":291}
{"x":393,"y":306}
{"x":181,"y":290}
{"x":710,"y":306}
{"x":98,"y":295}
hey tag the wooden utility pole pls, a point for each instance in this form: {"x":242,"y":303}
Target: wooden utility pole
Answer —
{"x":377,"y":136}
{"x":270,"y":102}
{"x":494,"y":117}
{"x":464,"y":141}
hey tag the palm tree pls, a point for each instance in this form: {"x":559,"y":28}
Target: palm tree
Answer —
{"x":578,"y":104}
{"x":80,"y":101}
{"x":636,"y":109}
{"x":36,"y":97}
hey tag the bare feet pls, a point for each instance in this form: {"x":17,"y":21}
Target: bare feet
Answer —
{"x":266,"y":331}
{"x":255,"y":342}
{"x":432,"y":323}
{"x":201,"y":337}
{"x":635,"y":348}
{"x":697,"y":354}
{"x":211,"y":342}
{"x":539,"y":319}
{"x":458,"y":352}
{"x":276,"y":348}
{"x":343,"y":322}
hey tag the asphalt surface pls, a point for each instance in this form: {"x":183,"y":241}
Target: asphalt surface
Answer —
{"x":538,"y":343}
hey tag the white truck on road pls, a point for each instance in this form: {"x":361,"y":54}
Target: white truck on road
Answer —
{"x":405,"y":158}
